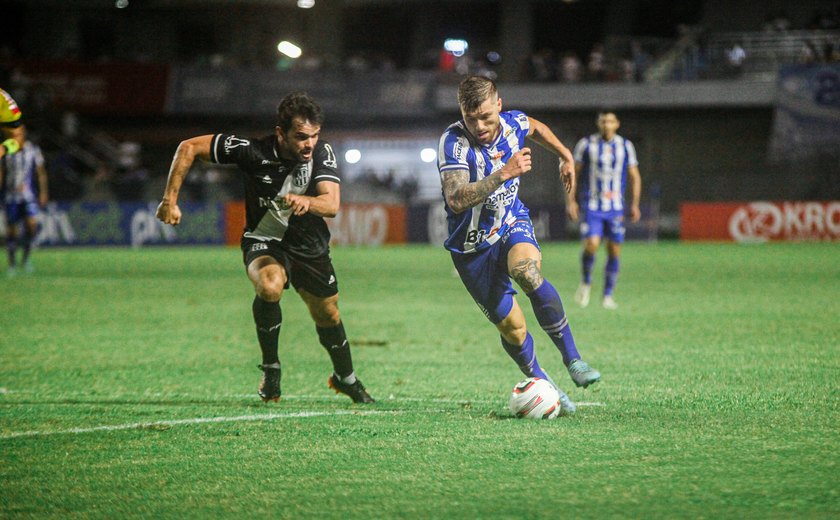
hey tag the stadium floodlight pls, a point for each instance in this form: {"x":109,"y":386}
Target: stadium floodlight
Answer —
{"x":305,"y":4}
{"x":428,"y":155}
{"x":455,"y":46}
{"x":352,"y":156}
{"x":289,"y":49}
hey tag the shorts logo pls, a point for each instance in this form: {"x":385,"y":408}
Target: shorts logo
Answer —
{"x":331,"y":280}
{"x":259,"y":247}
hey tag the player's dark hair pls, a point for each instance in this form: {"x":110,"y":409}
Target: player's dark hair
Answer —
{"x":607,"y":110}
{"x":473,"y":91}
{"x":298,"y":104}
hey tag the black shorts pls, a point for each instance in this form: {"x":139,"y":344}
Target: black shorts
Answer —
{"x":313,"y":275}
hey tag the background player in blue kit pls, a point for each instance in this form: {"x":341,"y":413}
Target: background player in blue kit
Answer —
{"x":23,"y":184}
{"x":604,"y":162}
{"x":291,"y":185}
{"x":491,"y":238}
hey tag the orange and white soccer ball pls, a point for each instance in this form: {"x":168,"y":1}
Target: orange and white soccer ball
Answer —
{"x":534,"y":398}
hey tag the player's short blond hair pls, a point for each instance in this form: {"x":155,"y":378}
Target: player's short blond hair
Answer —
{"x":473,"y":91}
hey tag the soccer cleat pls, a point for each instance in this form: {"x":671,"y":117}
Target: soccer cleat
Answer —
{"x":567,"y":407}
{"x":583,"y":374}
{"x":355,"y":391}
{"x":609,"y":304}
{"x":11,"y":272}
{"x":28,"y":268}
{"x":582,"y":294}
{"x":270,"y":384}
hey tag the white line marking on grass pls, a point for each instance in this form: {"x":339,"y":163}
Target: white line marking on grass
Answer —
{"x":304,"y":397}
{"x":197,"y":420}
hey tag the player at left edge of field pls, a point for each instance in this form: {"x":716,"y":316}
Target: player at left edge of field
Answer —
{"x":23,"y":183}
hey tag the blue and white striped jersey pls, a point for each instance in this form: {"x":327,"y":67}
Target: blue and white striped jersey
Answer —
{"x":481,"y":226}
{"x":19,"y":177}
{"x":604,"y":176}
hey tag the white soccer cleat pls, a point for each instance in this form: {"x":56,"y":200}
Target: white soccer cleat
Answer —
{"x":582,"y":294}
{"x":609,"y":303}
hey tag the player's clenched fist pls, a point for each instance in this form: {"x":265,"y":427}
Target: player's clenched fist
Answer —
{"x":168,"y":213}
{"x":299,"y":203}
{"x":519,"y":163}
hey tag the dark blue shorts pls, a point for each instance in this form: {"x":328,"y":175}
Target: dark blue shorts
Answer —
{"x":18,"y":211}
{"x":485,"y":273}
{"x":609,"y":225}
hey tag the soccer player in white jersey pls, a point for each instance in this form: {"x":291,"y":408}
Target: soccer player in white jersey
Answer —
{"x":23,"y":183}
{"x":604,"y":162}
{"x":491,"y":238}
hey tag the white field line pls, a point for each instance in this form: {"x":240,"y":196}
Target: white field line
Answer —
{"x":302,"y":397}
{"x":197,"y":420}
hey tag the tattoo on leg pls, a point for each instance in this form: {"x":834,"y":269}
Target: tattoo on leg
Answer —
{"x":527,"y":274}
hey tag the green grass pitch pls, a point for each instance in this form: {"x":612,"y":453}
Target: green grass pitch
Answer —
{"x":128,"y":389}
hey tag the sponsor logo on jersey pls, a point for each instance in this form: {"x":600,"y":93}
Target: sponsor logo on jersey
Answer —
{"x":274,"y":204}
{"x":264,"y":162}
{"x":233,"y":142}
{"x":501,"y":196}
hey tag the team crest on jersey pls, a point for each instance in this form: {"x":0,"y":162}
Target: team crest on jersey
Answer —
{"x":234,"y":142}
{"x":302,"y":175}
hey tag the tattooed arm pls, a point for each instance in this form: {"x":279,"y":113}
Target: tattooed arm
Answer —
{"x":461,"y":194}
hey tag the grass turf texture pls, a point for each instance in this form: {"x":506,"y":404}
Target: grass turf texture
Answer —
{"x":720,"y":391}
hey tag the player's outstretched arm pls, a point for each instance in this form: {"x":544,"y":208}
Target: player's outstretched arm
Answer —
{"x":198,"y":147}
{"x":572,"y":208}
{"x":461,"y":194}
{"x":542,"y":134}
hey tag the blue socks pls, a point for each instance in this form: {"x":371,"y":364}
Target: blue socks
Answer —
{"x":587,"y":261}
{"x":610,"y":275}
{"x":552,"y":318}
{"x":525,"y":357}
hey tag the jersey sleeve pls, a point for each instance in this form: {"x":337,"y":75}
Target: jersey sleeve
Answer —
{"x":453,"y":152}
{"x":521,"y":120}
{"x":324,"y":164}
{"x":230,"y":149}
{"x":580,"y":151}
{"x":39,"y":157}
{"x":631,"y":153}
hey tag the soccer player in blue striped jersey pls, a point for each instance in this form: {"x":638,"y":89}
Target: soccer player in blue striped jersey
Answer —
{"x":23,"y":183}
{"x":604,"y":163}
{"x":491,"y":238}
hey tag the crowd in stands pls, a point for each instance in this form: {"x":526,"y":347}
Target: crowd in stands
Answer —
{"x":623,"y":64}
